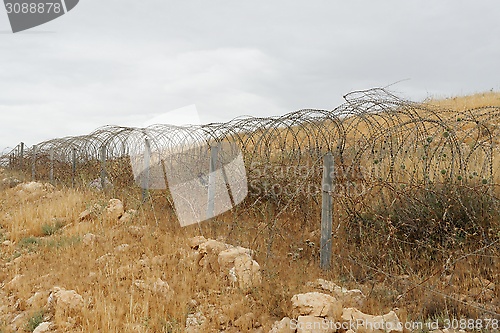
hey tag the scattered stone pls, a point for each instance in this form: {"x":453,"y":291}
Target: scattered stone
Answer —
{"x":18,"y":322}
{"x":115,"y":209}
{"x":33,"y":190}
{"x":128,"y":216}
{"x":312,"y":324}
{"x":209,"y":252}
{"x":226,"y":258}
{"x":157,"y":287}
{"x":247,"y":272}
{"x":90,"y":239}
{"x":137,"y":231}
{"x":9,"y":182}
{"x":195,"y":242}
{"x":96,"y":184}
{"x":350,"y":298}
{"x":372,"y":324}
{"x":484,"y":283}
{"x":235,"y":263}
{"x":15,"y":283}
{"x":90,"y":213}
{"x":122,"y":248}
{"x":195,"y":321}
{"x":212,"y":247}
{"x":66,"y":305}
{"x":44,"y":327}
{"x":85,"y":215}
{"x":316,"y":304}
{"x":245,"y":322}
{"x":283,"y":326}
{"x":104,"y":258}
{"x":37,"y":300}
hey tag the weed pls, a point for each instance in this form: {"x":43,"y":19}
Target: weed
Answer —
{"x":49,"y":229}
{"x":35,"y":320}
{"x":30,"y":242}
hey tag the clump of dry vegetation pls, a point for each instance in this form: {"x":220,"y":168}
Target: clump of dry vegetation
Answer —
{"x":414,"y":229}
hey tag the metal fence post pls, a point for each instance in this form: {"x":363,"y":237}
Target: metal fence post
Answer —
{"x":326,"y":212}
{"x":146,"y":171}
{"x":103,"y":167}
{"x":214,"y":152}
{"x":51,"y":173}
{"x":33,"y":164}
{"x":73,"y":167}
{"x":21,"y":156}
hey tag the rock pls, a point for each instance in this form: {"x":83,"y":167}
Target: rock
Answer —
{"x":195,"y":321}
{"x":137,"y":231}
{"x":162,"y":288}
{"x":209,"y":252}
{"x":312,"y":324}
{"x":19,"y":321}
{"x":283,"y":326}
{"x":104,"y":259}
{"x":90,"y":239}
{"x":195,"y":242}
{"x":96,"y":184}
{"x":33,"y":190}
{"x":226,"y":258}
{"x":247,"y":272}
{"x":484,"y":283}
{"x":85,"y":215}
{"x":9,"y":182}
{"x":44,"y":327}
{"x":115,"y":209}
{"x":212,"y":247}
{"x":350,"y":298}
{"x":65,"y":304}
{"x":365,"y":323}
{"x":155,"y":261}
{"x":37,"y":300}
{"x":15,"y":283}
{"x":128,"y":216}
{"x":90,"y":213}
{"x":122,"y":248}
{"x":125,"y":271}
{"x":316,"y":304}
{"x":245,"y":322}
{"x":157,"y":287}
{"x":7,"y":243}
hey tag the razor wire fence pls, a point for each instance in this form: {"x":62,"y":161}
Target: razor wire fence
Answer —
{"x":385,"y":150}
{"x":410,"y":179}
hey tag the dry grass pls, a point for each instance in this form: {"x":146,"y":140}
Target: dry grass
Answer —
{"x":451,"y":279}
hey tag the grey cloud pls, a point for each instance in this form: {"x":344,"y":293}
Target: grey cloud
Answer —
{"x":122,"y":62}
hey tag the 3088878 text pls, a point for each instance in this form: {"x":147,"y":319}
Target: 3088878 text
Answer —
{"x":33,"y":8}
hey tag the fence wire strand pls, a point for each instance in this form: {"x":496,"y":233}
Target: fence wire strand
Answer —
{"x":415,"y":175}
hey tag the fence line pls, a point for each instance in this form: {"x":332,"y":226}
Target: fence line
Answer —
{"x":406,"y":175}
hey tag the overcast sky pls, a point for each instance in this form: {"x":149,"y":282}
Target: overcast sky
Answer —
{"x":123,"y":62}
